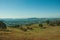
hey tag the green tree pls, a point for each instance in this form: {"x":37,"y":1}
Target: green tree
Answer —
{"x":2,"y":25}
{"x":47,"y":21}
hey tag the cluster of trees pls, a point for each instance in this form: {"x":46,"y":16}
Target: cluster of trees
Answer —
{"x":53,"y":23}
{"x":50,"y":23}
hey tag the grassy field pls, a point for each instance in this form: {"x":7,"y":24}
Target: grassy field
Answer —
{"x":50,"y":33}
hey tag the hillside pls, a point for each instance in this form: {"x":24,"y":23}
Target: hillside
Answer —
{"x":30,"y":29}
{"x":51,"y":33}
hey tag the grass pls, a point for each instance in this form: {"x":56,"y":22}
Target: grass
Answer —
{"x":50,"y":33}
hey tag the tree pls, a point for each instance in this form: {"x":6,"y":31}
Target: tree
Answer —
{"x":2,"y":25}
{"x":47,"y":21}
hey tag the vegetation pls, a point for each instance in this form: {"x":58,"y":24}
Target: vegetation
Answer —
{"x":2,"y":25}
{"x":48,"y":31}
{"x":47,"y":21}
{"x":40,"y":25}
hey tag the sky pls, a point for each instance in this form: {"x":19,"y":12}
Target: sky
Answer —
{"x":29,"y":8}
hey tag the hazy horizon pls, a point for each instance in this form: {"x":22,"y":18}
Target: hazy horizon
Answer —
{"x":29,"y":8}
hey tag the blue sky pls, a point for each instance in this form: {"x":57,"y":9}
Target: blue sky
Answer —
{"x":29,"y":8}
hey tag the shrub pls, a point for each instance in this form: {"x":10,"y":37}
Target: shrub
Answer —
{"x":40,"y":25}
{"x":23,"y":29}
{"x":29,"y":28}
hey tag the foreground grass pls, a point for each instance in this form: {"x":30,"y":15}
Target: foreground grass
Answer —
{"x":50,"y":33}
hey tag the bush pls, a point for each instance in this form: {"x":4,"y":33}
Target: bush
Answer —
{"x":29,"y":28}
{"x":23,"y":29}
{"x":40,"y":25}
